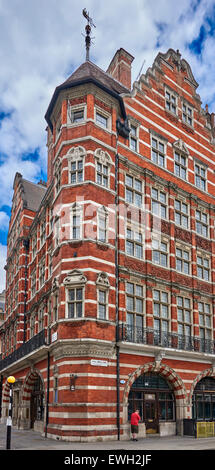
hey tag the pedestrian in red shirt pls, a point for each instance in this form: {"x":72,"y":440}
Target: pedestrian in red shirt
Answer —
{"x":135,"y":417}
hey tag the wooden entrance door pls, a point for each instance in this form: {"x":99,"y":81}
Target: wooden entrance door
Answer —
{"x":37,"y":405}
{"x":151,"y":419}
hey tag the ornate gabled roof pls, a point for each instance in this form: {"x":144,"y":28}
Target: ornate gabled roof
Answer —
{"x":89,"y":73}
{"x":170,"y":58}
{"x":181,"y":64}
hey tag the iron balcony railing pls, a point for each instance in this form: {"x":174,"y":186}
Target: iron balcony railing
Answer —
{"x":26,"y":348}
{"x":167,"y":340}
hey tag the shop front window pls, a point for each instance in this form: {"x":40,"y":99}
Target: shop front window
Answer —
{"x":204,"y":400}
{"x":152,"y":395}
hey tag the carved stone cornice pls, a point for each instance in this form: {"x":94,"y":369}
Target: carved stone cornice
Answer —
{"x":83,"y":348}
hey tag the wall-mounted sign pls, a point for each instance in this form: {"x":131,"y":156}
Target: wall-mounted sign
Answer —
{"x":97,"y":362}
{"x":122,"y":381}
{"x":149,"y":396}
{"x":54,"y":337}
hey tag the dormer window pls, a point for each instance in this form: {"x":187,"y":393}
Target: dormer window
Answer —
{"x":103,"y":118}
{"x":76,"y":114}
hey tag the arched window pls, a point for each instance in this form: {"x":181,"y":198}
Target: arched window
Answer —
{"x":103,"y":286}
{"x":103,"y":163}
{"x":204,"y":400}
{"x":74,"y":284}
{"x":153,"y":396}
{"x":76,"y":165}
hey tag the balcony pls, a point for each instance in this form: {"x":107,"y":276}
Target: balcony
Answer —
{"x":26,"y":348}
{"x":166,"y":340}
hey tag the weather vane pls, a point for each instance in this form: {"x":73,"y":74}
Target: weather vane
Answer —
{"x":88,"y":31}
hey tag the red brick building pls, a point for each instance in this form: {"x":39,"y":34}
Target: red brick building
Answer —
{"x":111,"y":264}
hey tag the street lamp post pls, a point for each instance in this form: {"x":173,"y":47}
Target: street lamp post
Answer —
{"x":11,"y":381}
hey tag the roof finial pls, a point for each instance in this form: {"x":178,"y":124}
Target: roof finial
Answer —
{"x":88,"y":31}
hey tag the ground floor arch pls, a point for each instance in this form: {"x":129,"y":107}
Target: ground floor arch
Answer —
{"x":203,"y":400}
{"x":160,"y":395}
{"x":32,"y":401}
{"x":153,"y":396}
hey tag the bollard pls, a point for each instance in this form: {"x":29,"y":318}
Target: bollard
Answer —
{"x":11,"y":381}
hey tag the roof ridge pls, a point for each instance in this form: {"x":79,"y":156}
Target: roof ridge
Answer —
{"x":35,"y":184}
{"x":100,"y":70}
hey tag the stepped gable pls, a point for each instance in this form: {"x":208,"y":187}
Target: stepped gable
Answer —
{"x":173,"y":61}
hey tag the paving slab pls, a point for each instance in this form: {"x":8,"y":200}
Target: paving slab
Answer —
{"x":32,"y":440}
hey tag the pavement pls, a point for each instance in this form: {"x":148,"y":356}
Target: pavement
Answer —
{"x":32,"y":440}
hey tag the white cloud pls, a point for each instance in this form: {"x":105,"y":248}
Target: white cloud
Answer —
{"x":4,"y":220}
{"x":42,"y":43}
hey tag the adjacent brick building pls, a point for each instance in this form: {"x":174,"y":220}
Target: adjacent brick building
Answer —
{"x":110,"y":266}
{"x":2,"y":306}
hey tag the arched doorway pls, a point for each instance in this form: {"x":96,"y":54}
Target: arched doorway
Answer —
{"x":153,"y":396}
{"x":203,"y":400}
{"x":37,"y":402}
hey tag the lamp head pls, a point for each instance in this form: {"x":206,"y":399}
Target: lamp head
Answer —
{"x":11,"y":379}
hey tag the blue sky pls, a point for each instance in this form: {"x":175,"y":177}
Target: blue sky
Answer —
{"x":41,"y":43}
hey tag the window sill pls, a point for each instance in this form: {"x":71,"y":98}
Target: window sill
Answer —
{"x":188,"y":127}
{"x":170,"y":113}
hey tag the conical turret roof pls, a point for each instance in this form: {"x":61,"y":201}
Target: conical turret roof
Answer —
{"x":88,"y":72}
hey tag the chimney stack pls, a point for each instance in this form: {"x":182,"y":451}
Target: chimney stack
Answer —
{"x":213,"y":120}
{"x":120,"y":67}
